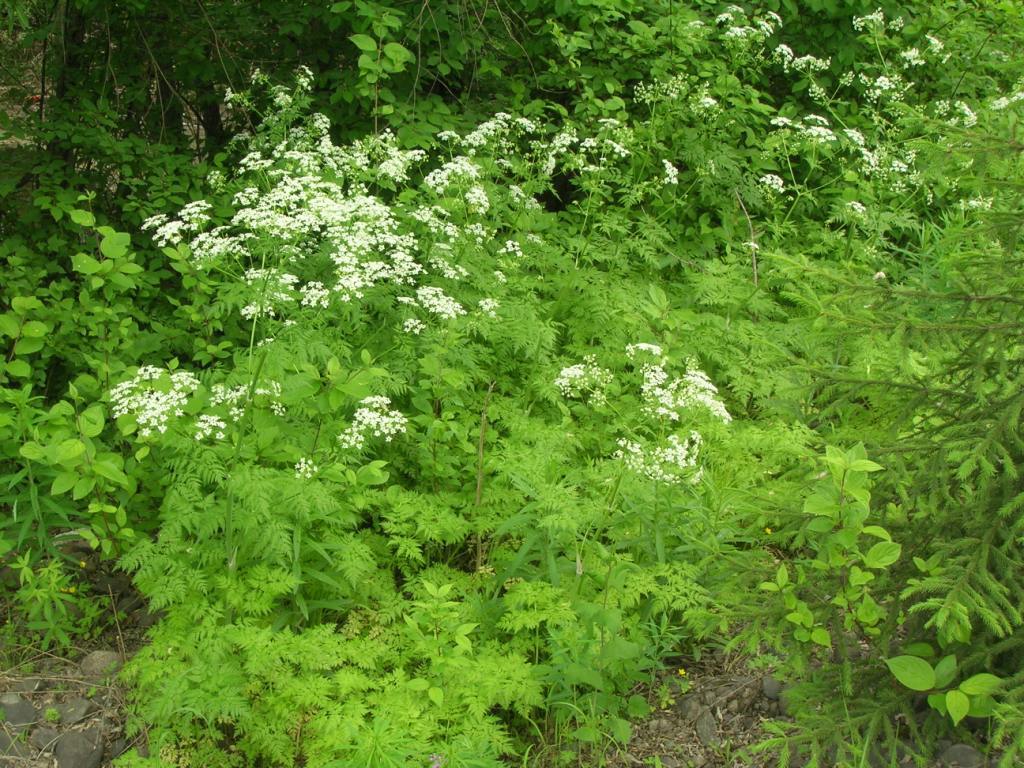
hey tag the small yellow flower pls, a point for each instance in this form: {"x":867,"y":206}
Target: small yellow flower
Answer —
{"x":81,"y":563}
{"x":682,"y":672}
{"x":767,"y":530}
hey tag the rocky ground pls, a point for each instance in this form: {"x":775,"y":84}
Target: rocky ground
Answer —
{"x":719,"y":713}
{"x":60,"y":712}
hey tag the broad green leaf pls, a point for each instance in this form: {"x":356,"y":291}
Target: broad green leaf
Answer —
{"x":35,"y":329}
{"x":982,"y":706}
{"x":823,"y":504}
{"x":364,"y":43}
{"x":397,"y":52}
{"x":63,"y":483}
{"x":937,"y":701}
{"x":83,"y":487}
{"x":10,"y":325}
{"x":863,"y":465}
{"x":820,"y":636}
{"x":637,"y":706}
{"x":981,"y":685}
{"x":914,"y":673}
{"x":782,"y":576}
{"x":82,"y":218}
{"x":418,"y":684}
{"x":91,"y":421}
{"x":115,"y":245}
{"x":32,"y":450}
{"x":110,"y":471}
{"x":436,"y":695}
{"x":19,"y":368}
{"x":957,"y":704}
{"x":877,"y":531}
{"x":27,"y":346}
{"x":883,"y":554}
{"x":945,"y":671}
{"x":924,"y":650}
{"x":69,"y":449}
{"x":84,"y":263}
{"x":22,"y":305}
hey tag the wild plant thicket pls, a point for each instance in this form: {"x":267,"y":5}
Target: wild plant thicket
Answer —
{"x":435,"y":430}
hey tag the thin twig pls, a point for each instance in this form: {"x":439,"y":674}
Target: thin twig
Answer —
{"x":753,"y":240}
{"x":478,"y":498}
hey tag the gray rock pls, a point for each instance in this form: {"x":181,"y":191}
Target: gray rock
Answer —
{"x":80,"y":749}
{"x":11,"y":746}
{"x":118,"y":747}
{"x":43,"y":739}
{"x":707,"y":729}
{"x":101,"y":664}
{"x":659,"y":725}
{"x":689,"y":707}
{"x":29,"y":685}
{"x":771,"y":688}
{"x":962,"y":756}
{"x":143,"y":619}
{"x":17,"y":713}
{"x":785,"y":702}
{"x":75,"y":710}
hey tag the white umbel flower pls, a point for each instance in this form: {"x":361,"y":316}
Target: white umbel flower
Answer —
{"x":374,"y":418}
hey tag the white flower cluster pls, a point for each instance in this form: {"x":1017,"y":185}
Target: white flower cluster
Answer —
{"x":414,"y":326}
{"x":772,"y":184}
{"x":789,"y":61}
{"x":436,"y":301}
{"x":374,"y":418}
{"x":1007,"y":101}
{"x":315,"y":295}
{"x":912,"y":57}
{"x":586,"y":378}
{"x":738,"y":26}
{"x":460,"y":168}
{"x":512,"y":248}
{"x":489,"y":307}
{"x":665,"y":397}
{"x":477,"y":200}
{"x":210,"y":426}
{"x":274,"y":288}
{"x":872,"y":21}
{"x":305,"y":469}
{"x":891,"y":165}
{"x":492,"y":133}
{"x":230,"y":396}
{"x":813,"y":129}
{"x":891,"y":87}
{"x":557,"y":147}
{"x":152,"y":396}
{"x":671,"y":177}
{"x":670,"y":463}
{"x":642,"y":347}
{"x":976,"y":204}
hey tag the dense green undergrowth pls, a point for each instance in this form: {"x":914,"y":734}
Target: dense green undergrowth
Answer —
{"x":433,"y":431}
